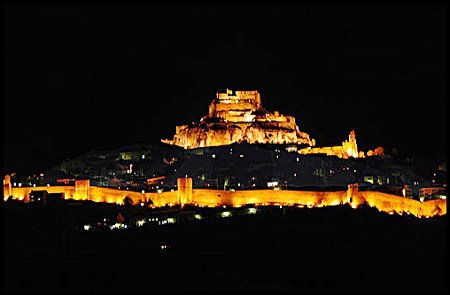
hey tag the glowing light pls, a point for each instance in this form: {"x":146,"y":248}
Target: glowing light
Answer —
{"x":143,"y":191}
{"x":213,"y":156}
{"x":226,"y":214}
{"x":34,"y":185}
{"x":198,"y":216}
{"x":118,"y":226}
{"x":252,"y":210}
{"x":140,"y":222}
{"x":170,"y":220}
{"x":87,"y":227}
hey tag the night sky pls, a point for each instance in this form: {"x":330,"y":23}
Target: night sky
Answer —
{"x":88,"y":77}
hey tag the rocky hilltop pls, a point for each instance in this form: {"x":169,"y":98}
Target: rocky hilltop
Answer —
{"x":238,"y":116}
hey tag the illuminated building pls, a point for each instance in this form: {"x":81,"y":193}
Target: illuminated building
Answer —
{"x":238,"y":116}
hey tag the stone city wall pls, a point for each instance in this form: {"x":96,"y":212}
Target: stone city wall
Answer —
{"x":400,"y":205}
{"x":23,"y":193}
{"x":388,"y":203}
{"x":212,"y":198}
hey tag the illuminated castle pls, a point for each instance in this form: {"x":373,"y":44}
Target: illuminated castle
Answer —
{"x":237,"y":116}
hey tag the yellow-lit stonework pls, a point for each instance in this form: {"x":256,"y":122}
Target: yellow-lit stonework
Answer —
{"x":348,"y":149}
{"x":236,"y":117}
{"x":388,"y":203}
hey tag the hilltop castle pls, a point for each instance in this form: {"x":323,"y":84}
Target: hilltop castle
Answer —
{"x":238,"y":116}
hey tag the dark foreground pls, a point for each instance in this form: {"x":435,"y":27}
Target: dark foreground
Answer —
{"x":336,"y":248}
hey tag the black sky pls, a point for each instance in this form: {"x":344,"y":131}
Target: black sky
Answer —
{"x":88,"y":77}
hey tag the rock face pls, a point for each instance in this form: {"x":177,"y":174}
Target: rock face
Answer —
{"x":237,"y":116}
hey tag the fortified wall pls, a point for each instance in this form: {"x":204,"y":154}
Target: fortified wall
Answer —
{"x":214,"y":198}
{"x":347,"y":149}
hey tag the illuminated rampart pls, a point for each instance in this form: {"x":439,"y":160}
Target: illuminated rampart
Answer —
{"x":388,"y":203}
{"x":399,"y":205}
{"x":347,"y":149}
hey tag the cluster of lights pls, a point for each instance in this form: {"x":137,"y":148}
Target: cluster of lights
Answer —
{"x":118,"y":226}
{"x":167,"y":221}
